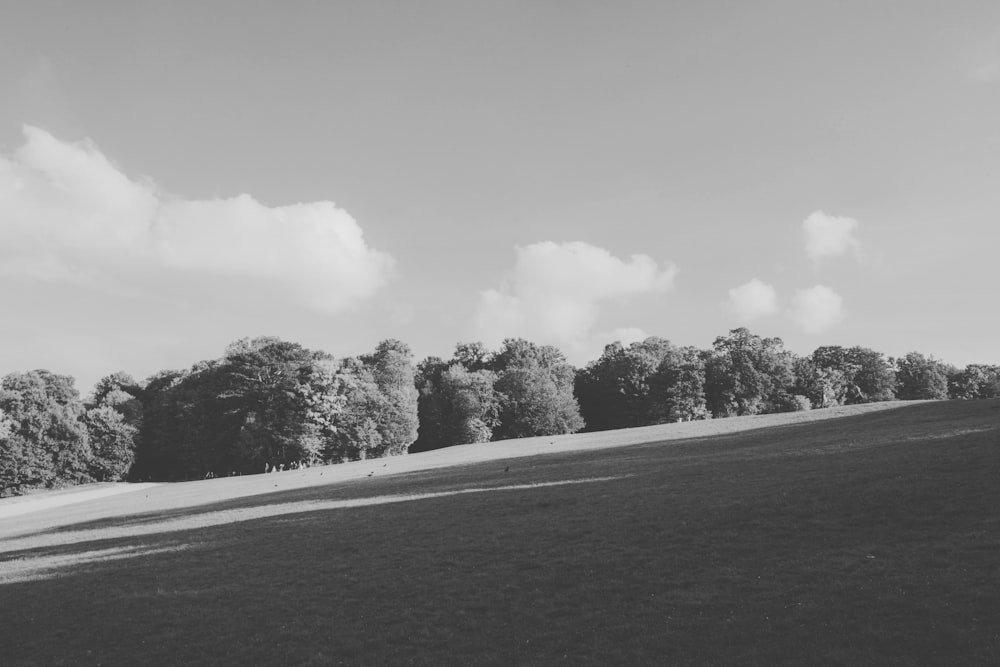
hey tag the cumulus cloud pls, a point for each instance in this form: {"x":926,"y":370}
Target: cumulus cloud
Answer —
{"x":554,"y":292}
{"x":68,"y":214}
{"x":753,"y":300}
{"x":829,"y":236}
{"x":816,"y":309}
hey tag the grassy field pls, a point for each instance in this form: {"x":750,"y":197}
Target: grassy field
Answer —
{"x":872,"y":538}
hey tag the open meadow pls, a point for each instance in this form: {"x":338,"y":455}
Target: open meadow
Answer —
{"x":855,"y":535}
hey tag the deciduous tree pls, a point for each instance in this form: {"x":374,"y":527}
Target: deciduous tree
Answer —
{"x":535,"y":385}
{"x":866,"y":375}
{"x":748,"y":375}
{"x":678,"y":387}
{"x":920,"y":377}
{"x":114,"y":420}
{"x":356,"y":433}
{"x":975,"y":381}
{"x":112,"y":442}
{"x":266,"y":385}
{"x":392,"y":370}
{"x":46,"y":441}
{"x":649,"y":382}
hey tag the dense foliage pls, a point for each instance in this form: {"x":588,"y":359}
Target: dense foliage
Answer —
{"x":975,"y":381}
{"x":920,"y":377}
{"x":649,"y":382}
{"x":748,"y":375}
{"x":268,"y":404}
{"x":46,"y":438}
{"x":520,"y":390}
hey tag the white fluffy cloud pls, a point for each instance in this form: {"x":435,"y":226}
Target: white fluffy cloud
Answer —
{"x":753,"y":300}
{"x":816,"y":309}
{"x":68,"y":214}
{"x":830,"y":236}
{"x":554,"y":292}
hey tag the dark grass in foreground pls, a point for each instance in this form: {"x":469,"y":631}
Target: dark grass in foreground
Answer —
{"x":864,"y":540}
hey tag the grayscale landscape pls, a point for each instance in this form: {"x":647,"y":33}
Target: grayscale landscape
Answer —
{"x":499,"y":333}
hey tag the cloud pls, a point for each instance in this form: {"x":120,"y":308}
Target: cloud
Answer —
{"x":829,"y":236}
{"x":753,"y":300}
{"x":816,"y":309}
{"x":68,"y":214}
{"x":625,"y":335}
{"x":554,"y":292}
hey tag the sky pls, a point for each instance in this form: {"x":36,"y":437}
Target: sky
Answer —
{"x":176,"y":176}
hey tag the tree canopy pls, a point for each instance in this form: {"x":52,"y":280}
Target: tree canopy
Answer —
{"x":46,"y":440}
{"x":748,"y":375}
{"x":269,"y":404}
{"x":920,"y":377}
{"x":649,"y":382}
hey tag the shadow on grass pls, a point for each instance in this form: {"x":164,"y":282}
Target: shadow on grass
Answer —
{"x":53,"y":551}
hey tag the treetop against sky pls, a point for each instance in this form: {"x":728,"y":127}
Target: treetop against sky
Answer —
{"x":175,"y":177}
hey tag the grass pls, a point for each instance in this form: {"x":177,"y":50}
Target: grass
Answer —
{"x":873,"y":539}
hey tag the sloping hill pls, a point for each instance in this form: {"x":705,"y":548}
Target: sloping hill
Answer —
{"x":174,"y":496}
{"x":868,"y":539}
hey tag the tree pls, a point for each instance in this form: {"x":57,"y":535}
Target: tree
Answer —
{"x":521,"y":390}
{"x":266,"y":402}
{"x":114,"y":419}
{"x":748,"y":375}
{"x":462,"y":406}
{"x":46,"y":441}
{"x":457,"y":406}
{"x":270,"y":402}
{"x":116,"y":383}
{"x":823,"y":386}
{"x":23,"y":464}
{"x":188,"y":428}
{"x":678,"y":387}
{"x":597,"y":388}
{"x":875,"y":377}
{"x":267,"y":384}
{"x":535,"y":387}
{"x":112,"y":441}
{"x":834,"y":375}
{"x":471,"y":403}
{"x":975,"y":381}
{"x":634,"y":370}
{"x":430,"y":419}
{"x":919,"y":377}
{"x":355,"y":433}
{"x":6,"y":426}
{"x":649,"y":382}
{"x":392,"y":370}
{"x":473,"y":356}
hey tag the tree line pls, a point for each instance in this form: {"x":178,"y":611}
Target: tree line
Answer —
{"x":269,"y":404}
